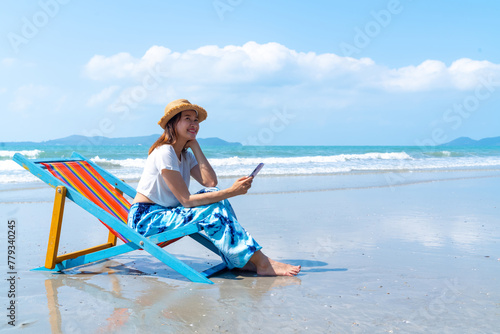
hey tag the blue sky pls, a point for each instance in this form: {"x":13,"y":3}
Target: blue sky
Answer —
{"x":395,"y":72}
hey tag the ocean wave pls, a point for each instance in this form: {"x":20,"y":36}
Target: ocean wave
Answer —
{"x":238,"y":161}
{"x":27,"y":153}
{"x":129,"y":162}
{"x":375,"y":162}
{"x":444,"y":154}
{"x":18,"y":176}
{"x":311,"y":159}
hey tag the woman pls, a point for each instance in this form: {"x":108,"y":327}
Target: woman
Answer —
{"x":163,"y":201}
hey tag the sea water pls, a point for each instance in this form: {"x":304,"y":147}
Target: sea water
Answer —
{"x":390,"y":162}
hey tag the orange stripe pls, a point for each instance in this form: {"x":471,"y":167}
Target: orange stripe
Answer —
{"x":83,"y":188}
{"x":75,"y":182}
{"x":99,"y":192}
{"x":122,"y":203}
{"x":57,"y":172}
{"x":106,"y":184}
{"x":66,"y":172}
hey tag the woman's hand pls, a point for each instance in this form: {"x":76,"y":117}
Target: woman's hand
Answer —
{"x":193,"y":143}
{"x":241,"y":186}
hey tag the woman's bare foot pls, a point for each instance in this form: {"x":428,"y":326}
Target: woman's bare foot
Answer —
{"x":268,"y":267}
{"x":275,"y":268}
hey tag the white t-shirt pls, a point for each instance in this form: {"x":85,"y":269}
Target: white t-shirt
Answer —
{"x":152,"y":184}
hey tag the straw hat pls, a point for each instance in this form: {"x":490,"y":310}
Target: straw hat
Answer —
{"x":180,"y":105}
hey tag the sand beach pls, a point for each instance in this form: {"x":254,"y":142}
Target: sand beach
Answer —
{"x":419,"y":256}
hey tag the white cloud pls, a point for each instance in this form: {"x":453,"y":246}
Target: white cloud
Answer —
{"x":466,"y":72}
{"x":8,"y":62}
{"x":259,"y":78}
{"x":430,"y":74}
{"x":274,"y":64}
{"x":462,"y":74}
{"x":251,"y":62}
{"x":117,"y":66}
{"x":15,"y":62}
{"x":28,"y":95}
{"x":32,"y":99}
{"x":102,"y":96}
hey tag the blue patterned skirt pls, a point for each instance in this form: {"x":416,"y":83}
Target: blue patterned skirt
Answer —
{"x":218,"y":221}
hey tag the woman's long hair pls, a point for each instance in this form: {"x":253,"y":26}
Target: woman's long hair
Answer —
{"x":169,"y":136}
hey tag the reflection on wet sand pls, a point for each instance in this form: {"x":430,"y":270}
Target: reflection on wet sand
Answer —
{"x":116,"y":298}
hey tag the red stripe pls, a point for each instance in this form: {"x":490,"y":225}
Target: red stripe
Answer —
{"x":120,"y":200}
{"x":96,"y":194}
{"x":99,"y":188}
{"x":83,"y":189}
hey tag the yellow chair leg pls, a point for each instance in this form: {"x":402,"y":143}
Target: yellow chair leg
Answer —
{"x":111,"y":239}
{"x":55,"y":232}
{"x":55,"y":227}
{"x":111,"y":236}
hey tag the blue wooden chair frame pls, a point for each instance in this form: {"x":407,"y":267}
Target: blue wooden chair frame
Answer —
{"x":110,"y":249}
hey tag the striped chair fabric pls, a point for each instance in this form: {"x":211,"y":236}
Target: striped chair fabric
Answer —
{"x":80,"y":175}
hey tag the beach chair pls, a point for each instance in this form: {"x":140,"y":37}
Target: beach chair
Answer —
{"x":101,"y":194}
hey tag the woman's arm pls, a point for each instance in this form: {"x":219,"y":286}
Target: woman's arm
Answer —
{"x":203,"y":172}
{"x":176,"y":184}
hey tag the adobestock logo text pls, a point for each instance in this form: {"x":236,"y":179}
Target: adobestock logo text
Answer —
{"x":31,"y":26}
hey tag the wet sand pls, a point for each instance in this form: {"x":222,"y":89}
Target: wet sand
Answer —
{"x":413,"y":258}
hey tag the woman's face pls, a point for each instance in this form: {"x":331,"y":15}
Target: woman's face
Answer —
{"x":187,"y":127}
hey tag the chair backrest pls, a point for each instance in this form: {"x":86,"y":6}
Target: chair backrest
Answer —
{"x":81,"y":176}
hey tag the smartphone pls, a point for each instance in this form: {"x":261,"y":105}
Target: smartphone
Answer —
{"x":256,"y":170}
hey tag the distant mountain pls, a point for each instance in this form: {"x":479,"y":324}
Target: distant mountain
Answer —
{"x":99,"y":140}
{"x":466,"y":141}
{"x":214,"y":141}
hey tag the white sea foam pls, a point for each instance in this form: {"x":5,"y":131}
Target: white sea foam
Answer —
{"x":137,"y":163}
{"x":9,"y":165}
{"x":131,"y":168}
{"x":21,"y":178}
{"x":27,"y":153}
{"x":234,"y":161}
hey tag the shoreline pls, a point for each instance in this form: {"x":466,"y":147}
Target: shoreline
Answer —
{"x":271,"y":184}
